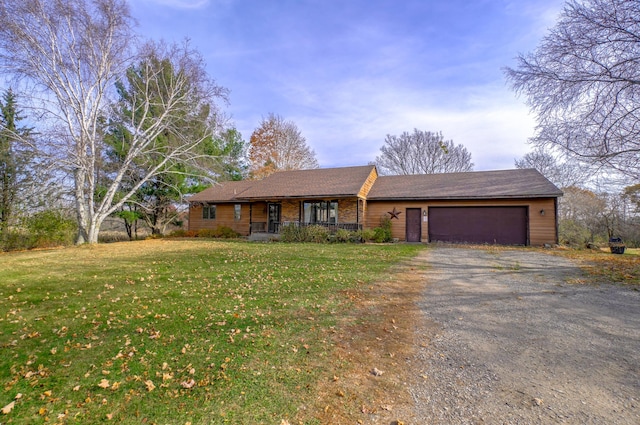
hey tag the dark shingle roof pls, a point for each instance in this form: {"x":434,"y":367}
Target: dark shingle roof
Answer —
{"x":527,"y":183}
{"x":319,"y":182}
{"x":346,"y":181}
{"x":222,"y":192}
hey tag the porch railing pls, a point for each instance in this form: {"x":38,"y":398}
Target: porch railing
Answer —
{"x":261,"y":227}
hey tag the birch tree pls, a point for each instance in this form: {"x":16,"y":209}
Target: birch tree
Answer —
{"x":422,"y":152}
{"x":71,"y":54}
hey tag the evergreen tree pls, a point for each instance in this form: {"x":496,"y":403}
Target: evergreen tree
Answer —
{"x":12,"y":160}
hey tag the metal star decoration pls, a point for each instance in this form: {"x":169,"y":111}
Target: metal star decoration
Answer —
{"x":394,"y":214}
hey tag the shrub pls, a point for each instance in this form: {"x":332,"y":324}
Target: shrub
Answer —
{"x":226,"y":232}
{"x":15,"y":240}
{"x":223,"y":232}
{"x":366,"y":234}
{"x":573,"y":233}
{"x":206,"y":233}
{"x":343,"y":235}
{"x":50,"y":228}
{"x":318,"y":234}
{"x":108,"y":237}
{"x":180,"y":233}
{"x":42,"y":230}
{"x":383,"y":233}
{"x":294,"y":233}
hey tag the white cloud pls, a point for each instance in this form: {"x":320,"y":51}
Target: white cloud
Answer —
{"x":347,"y":124}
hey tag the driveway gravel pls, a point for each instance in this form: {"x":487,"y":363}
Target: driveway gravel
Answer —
{"x":518,"y":342}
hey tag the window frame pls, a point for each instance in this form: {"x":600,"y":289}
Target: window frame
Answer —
{"x":320,"y":212}
{"x":237,"y":212}
{"x":209,"y":211}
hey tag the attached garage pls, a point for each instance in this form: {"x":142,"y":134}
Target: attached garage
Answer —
{"x":490,"y":225}
{"x":507,"y":207}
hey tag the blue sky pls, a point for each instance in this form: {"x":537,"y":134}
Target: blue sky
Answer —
{"x":350,"y":72}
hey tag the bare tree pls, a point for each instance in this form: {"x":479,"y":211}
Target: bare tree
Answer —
{"x":422,"y":152}
{"x":278,"y":145}
{"x":560,"y":173}
{"x":72,"y":53}
{"x":580,"y":215}
{"x":583,"y":82}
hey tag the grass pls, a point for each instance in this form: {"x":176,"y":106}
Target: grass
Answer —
{"x":175,"y":332}
{"x":603,"y":267}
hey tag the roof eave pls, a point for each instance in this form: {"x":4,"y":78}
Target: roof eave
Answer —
{"x":459,"y":198}
{"x":329,"y":195}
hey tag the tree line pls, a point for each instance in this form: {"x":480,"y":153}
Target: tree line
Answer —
{"x":102,"y":123}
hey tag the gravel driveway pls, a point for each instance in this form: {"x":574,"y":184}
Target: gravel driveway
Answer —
{"x":517,"y":344}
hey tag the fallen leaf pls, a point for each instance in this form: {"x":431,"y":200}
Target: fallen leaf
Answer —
{"x":188,"y":384}
{"x":376,"y":372}
{"x":8,"y":408}
{"x":76,"y":388}
{"x":104,"y":383}
{"x":18,"y":396}
{"x":149,"y":384}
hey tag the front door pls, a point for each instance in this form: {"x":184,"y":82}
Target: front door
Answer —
{"x":274,"y":218}
{"x":414,"y":226}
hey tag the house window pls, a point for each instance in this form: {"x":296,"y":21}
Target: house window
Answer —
{"x":237,"y":210}
{"x":209,"y":212}
{"x":320,"y":212}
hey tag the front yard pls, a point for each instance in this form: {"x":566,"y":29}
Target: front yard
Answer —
{"x":176,"y":331}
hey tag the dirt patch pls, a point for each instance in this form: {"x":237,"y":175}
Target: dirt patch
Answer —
{"x":369,"y":382}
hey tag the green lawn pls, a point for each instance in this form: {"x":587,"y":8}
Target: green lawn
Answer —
{"x":174,"y":332}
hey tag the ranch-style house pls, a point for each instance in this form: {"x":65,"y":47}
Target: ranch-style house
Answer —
{"x":507,"y":207}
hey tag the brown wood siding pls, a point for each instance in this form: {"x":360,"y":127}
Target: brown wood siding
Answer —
{"x":224,"y":217}
{"x":368,"y":183}
{"x":542,"y":228}
{"x":259,"y":212}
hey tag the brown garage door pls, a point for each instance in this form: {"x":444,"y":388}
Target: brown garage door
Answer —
{"x":492,"y":225}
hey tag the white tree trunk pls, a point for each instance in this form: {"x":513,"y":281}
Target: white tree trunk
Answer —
{"x":73,"y":60}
